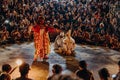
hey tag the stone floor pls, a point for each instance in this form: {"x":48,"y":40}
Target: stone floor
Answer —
{"x":96,"y":57}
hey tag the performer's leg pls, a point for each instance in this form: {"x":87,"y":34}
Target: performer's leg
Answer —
{"x":45,"y":56}
{"x":41,"y":54}
{"x":35,"y":56}
{"x":45,"y":53}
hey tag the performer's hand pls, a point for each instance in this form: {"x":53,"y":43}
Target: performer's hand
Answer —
{"x":58,"y":30}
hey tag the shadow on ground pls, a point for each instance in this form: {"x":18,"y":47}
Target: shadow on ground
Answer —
{"x":71,"y":61}
{"x":40,"y":70}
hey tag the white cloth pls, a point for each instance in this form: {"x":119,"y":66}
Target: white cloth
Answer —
{"x":64,"y":44}
{"x":58,"y":42}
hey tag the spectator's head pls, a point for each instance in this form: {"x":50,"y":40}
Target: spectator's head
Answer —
{"x":24,"y":69}
{"x":83,"y":64}
{"x":6,"y":68}
{"x":104,"y":73}
{"x":5,"y":77}
{"x":101,"y":25}
{"x":57,"y":69}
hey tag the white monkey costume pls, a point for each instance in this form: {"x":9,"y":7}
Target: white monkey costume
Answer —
{"x":69,"y":43}
{"x":64,"y":44}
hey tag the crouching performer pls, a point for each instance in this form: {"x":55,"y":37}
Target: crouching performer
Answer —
{"x":65,"y":44}
{"x":59,"y":44}
{"x":69,"y":44}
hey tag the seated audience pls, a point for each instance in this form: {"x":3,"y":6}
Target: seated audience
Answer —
{"x":117,"y":77}
{"x":83,"y":72}
{"x":98,"y":17}
{"x":5,"y":74}
{"x":104,"y":74}
{"x":24,"y":70}
{"x":4,"y":35}
{"x":57,"y":70}
{"x":69,"y":77}
{"x":15,"y":34}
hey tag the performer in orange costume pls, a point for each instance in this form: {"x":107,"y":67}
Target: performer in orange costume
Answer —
{"x":41,"y":39}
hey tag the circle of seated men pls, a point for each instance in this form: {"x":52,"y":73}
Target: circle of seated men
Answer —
{"x":64,"y":43}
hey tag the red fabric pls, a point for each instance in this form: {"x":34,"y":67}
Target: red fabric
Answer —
{"x":50,"y":29}
{"x":53,"y":30}
{"x":36,"y":28}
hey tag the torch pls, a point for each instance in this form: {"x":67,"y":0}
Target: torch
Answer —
{"x":18,"y":62}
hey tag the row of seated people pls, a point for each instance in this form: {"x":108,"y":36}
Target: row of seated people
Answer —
{"x":15,"y":35}
{"x":84,"y":36}
{"x":81,"y":74}
{"x":74,"y":13}
{"x":106,"y":39}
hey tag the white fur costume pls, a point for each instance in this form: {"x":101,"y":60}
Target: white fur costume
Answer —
{"x":65,"y":44}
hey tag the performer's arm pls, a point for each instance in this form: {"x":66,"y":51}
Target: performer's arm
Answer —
{"x":52,"y":29}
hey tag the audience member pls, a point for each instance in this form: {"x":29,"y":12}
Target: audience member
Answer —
{"x":57,"y":70}
{"x":117,"y":77}
{"x":104,"y":74}
{"x":85,"y":17}
{"x":5,"y":75}
{"x":24,"y":70}
{"x":83,"y":72}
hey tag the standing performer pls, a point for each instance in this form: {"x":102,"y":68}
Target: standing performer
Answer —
{"x":41,"y":39}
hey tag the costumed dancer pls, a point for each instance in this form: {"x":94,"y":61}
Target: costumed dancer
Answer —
{"x":64,"y":44}
{"x":41,"y":39}
{"x":69,"y":44}
{"x":59,"y":44}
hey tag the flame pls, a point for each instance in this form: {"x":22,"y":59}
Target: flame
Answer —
{"x":18,"y":62}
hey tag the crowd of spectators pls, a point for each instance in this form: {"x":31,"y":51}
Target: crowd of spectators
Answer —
{"x":81,"y":74}
{"x":94,"y":22}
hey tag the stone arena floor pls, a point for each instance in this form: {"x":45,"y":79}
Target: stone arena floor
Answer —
{"x":96,"y":57}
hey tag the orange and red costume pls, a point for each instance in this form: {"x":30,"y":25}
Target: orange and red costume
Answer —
{"x":41,"y":41}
